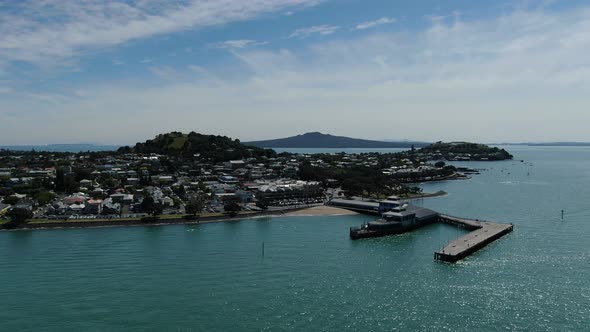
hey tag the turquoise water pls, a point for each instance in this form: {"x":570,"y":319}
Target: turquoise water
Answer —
{"x":312,"y":277}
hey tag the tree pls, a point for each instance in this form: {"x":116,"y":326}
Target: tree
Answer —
{"x":262,"y":202}
{"x":11,"y":200}
{"x":60,"y":180}
{"x":232,"y":208}
{"x":44,"y":197}
{"x":18,"y":217}
{"x":440,"y":164}
{"x":149,"y":206}
{"x":194,"y":206}
{"x":180,"y":191}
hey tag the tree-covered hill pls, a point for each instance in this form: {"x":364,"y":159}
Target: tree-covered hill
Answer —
{"x":472,"y":151}
{"x":216,"y":148}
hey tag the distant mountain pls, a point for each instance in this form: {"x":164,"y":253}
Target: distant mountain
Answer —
{"x":216,"y":148}
{"x":551,"y":144}
{"x":319,"y":140}
{"x":61,"y":147}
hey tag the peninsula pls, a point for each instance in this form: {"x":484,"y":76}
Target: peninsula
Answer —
{"x":178,"y":177}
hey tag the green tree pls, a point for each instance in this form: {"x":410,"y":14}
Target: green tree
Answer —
{"x":232,"y":208}
{"x":18,"y":217}
{"x":149,"y":206}
{"x":194,"y":206}
{"x":60,"y":180}
{"x":262,"y":202}
{"x":440,"y":164}
{"x":44,"y":197}
{"x":11,"y":200}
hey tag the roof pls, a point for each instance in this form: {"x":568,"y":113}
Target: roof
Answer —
{"x":355,"y":202}
{"x":387,"y":201}
{"x":399,"y":214}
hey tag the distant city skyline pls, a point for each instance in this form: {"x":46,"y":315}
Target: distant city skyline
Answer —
{"x":118,"y":72}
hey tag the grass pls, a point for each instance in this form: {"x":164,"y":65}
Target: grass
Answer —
{"x":178,"y":142}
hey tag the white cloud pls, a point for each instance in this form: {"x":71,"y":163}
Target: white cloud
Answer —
{"x":523,"y":76}
{"x":42,"y":31}
{"x":371,"y":24}
{"x":322,"y":30}
{"x":236,"y":44}
{"x":4,"y":89}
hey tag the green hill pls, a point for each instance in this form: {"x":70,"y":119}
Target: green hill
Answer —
{"x":216,"y":148}
{"x":473,"y":151}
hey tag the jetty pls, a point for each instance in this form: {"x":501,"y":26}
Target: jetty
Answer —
{"x":483,"y":233}
{"x":399,"y":217}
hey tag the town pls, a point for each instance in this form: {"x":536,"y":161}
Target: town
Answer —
{"x":190,"y":175}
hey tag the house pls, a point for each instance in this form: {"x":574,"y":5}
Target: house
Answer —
{"x":228,"y":179}
{"x":117,"y":198}
{"x":74,"y":200}
{"x":110,"y":207}
{"x":127,"y":199}
{"x":234,"y":164}
{"x":86,"y":183}
{"x":167,"y":201}
{"x":76,"y":208}
{"x":93,"y":206}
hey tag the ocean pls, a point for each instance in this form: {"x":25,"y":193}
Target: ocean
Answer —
{"x":313,"y":277}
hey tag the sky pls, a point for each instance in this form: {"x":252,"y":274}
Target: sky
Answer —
{"x":123,"y":71}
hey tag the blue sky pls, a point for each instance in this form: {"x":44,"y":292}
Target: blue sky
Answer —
{"x":117,"y":72}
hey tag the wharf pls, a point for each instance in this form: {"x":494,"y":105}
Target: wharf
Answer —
{"x":483,"y":234}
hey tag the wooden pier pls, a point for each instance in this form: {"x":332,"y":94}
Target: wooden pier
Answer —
{"x":483,"y":233}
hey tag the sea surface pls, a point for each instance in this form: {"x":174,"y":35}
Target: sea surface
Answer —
{"x":312,"y":277}
{"x":73,"y":148}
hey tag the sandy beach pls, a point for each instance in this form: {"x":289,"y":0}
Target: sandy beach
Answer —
{"x":323,"y":210}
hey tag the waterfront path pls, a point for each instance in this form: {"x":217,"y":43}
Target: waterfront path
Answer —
{"x":483,"y":234}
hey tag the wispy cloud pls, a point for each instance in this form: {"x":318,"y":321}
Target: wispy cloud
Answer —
{"x":522,"y":76}
{"x":371,"y":24}
{"x":237,"y":44}
{"x":322,"y":30}
{"x":42,"y":31}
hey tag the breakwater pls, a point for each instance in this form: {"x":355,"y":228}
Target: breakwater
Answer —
{"x":483,"y":233}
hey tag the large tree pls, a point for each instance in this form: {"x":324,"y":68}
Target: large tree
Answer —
{"x":18,"y":217}
{"x":232,"y":208}
{"x":149,"y":206}
{"x":194,"y":206}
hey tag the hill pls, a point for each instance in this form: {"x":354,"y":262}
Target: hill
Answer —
{"x":319,"y":140}
{"x":465,"y":151}
{"x":216,"y":148}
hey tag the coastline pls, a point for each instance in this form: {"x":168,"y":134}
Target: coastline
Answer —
{"x":440,"y":193}
{"x":318,"y":210}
